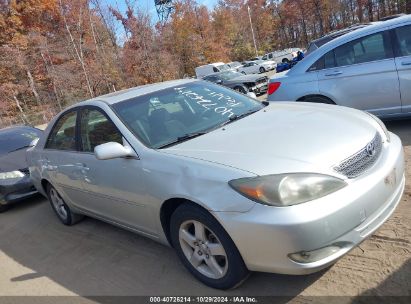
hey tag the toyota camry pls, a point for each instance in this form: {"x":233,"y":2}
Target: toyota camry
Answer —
{"x":232,"y":184}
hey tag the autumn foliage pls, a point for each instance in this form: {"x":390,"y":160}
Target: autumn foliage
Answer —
{"x":54,"y":53}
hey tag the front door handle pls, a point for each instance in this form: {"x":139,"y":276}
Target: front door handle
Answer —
{"x":336,"y":73}
{"x":83,"y":167}
{"x":406,"y":63}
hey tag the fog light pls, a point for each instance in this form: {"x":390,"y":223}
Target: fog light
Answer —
{"x":315,"y":255}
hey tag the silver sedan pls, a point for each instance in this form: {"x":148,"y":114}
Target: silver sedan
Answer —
{"x":232,"y":184}
{"x":367,"y":69}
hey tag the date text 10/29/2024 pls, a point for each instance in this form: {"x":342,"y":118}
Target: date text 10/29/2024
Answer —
{"x":203,"y":299}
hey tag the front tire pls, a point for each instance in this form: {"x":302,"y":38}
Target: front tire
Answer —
{"x":241,"y":90}
{"x":62,"y":210}
{"x":205,"y":248}
{"x":262,"y":70}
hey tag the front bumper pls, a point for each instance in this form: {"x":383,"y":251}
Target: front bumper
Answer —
{"x":16,"y":189}
{"x":266,"y":235}
{"x":260,"y":88}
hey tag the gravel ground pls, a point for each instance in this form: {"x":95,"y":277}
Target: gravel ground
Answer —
{"x":39,"y":256}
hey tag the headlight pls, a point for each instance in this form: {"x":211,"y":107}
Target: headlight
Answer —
{"x":10,"y":175}
{"x":287,"y":189}
{"x":382,"y":125}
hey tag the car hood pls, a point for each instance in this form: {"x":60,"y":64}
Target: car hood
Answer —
{"x":13,"y":161}
{"x":245,"y":78}
{"x":284,"y":137}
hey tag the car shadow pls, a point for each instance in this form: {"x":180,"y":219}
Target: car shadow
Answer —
{"x":391,"y":290}
{"x":93,"y":258}
{"x":402,"y":128}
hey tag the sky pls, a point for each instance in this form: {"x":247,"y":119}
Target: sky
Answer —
{"x":146,"y":6}
{"x":149,"y":7}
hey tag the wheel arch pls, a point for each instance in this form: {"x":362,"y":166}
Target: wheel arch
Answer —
{"x":303,"y":98}
{"x":167,"y":209}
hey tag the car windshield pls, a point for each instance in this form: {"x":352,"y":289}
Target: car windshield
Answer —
{"x":230,"y":75}
{"x":234,"y":64}
{"x":17,"y":138}
{"x":223,"y":67}
{"x":161,"y":118}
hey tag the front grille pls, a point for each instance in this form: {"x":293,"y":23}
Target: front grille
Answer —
{"x":262,"y":80}
{"x":356,"y":164}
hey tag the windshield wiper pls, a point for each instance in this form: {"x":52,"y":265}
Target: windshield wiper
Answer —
{"x":237,"y":117}
{"x":182,"y":138}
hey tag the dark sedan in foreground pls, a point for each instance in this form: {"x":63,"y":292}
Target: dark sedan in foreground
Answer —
{"x":15,"y":183}
{"x":242,"y":83}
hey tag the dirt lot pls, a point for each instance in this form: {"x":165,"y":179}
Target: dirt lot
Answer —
{"x":39,"y":256}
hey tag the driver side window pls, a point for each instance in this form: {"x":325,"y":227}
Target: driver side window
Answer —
{"x":97,"y":129}
{"x":63,"y":136}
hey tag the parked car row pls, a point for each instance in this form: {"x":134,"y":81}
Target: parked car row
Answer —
{"x":242,"y":83}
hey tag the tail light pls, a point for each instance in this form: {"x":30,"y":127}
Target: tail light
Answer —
{"x":273,"y":86}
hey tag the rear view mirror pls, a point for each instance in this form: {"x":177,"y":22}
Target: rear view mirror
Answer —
{"x":112,"y":150}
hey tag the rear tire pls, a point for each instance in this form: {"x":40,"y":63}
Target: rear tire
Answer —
{"x":262,"y":70}
{"x":205,"y":248}
{"x":318,"y":99}
{"x":285,"y":60}
{"x":4,"y":208}
{"x":62,"y":210}
{"x":244,"y":73}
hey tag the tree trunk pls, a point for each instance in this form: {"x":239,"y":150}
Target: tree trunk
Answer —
{"x":33,"y":87}
{"x":78,"y":51}
{"x":23,"y":116}
{"x":408,"y":6}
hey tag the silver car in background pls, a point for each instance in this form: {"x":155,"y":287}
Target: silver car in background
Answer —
{"x":232,"y":184}
{"x":367,"y":69}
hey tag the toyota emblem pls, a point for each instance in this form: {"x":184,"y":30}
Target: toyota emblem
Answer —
{"x":370,"y":149}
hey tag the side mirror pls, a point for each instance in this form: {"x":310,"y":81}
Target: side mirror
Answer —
{"x":252,"y":95}
{"x":112,"y":150}
{"x":34,"y":142}
{"x":219,"y":81}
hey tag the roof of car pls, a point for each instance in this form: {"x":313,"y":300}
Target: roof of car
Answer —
{"x":371,"y":28}
{"x":303,"y":65}
{"x":126,"y":94}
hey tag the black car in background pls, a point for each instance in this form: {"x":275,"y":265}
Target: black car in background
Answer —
{"x":242,"y":83}
{"x":15,"y":183}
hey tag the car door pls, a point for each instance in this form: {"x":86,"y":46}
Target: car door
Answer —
{"x":60,"y":158}
{"x":252,"y":68}
{"x":362,"y":74}
{"x":403,"y":63}
{"x":114,"y":189}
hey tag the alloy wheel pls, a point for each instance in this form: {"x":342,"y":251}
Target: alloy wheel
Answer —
{"x":58,"y":204}
{"x":203,"y":249}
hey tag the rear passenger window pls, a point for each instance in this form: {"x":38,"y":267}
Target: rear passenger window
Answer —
{"x":97,"y":129}
{"x":329,"y":60}
{"x":404,"y":40}
{"x":366,"y":49}
{"x":63,"y":136}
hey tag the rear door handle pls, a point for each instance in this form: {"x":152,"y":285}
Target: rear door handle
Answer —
{"x":406,"y":63}
{"x":336,"y":73}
